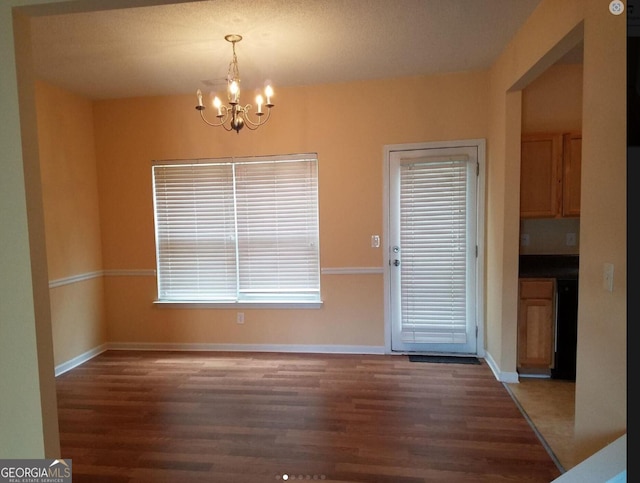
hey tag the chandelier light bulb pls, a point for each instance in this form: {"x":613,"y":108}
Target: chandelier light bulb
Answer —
{"x":234,"y":90}
{"x":217,"y":103}
{"x":259,"y":102}
{"x":268,"y":91}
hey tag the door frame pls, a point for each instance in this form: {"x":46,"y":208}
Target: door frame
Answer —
{"x":480,"y":144}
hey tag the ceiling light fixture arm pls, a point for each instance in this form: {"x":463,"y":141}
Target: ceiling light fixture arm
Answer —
{"x":222,"y":117}
{"x":261,"y":121}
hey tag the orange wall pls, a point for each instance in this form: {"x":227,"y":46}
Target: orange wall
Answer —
{"x":347,"y":125}
{"x":553,"y":102}
{"x":601,"y":389}
{"x":72,"y":220}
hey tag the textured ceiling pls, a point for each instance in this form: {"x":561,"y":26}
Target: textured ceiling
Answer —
{"x":177,"y":48}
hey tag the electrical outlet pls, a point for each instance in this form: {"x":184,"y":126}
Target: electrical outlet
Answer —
{"x":375,"y":241}
{"x":240,"y":317}
{"x":524,"y":240}
{"x":571,"y":240}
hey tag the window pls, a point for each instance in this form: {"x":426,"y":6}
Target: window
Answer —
{"x":237,"y":230}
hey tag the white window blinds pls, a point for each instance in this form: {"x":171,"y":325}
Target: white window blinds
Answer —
{"x":433,"y":217}
{"x":277,"y":217}
{"x":238,"y":230}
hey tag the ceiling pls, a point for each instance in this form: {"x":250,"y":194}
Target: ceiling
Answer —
{"x":178,"y":48}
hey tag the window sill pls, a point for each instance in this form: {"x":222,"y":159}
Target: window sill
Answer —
{"x":186,"y":304}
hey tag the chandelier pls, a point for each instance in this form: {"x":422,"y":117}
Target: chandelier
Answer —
{"x":235,"y":116}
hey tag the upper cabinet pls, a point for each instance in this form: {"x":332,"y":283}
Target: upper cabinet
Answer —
{"x":541,"y":175}
{"x":550,"y":175}
{"x":572,"y":161}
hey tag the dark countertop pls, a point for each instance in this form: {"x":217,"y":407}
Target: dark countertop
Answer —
{"x":562,"y":267}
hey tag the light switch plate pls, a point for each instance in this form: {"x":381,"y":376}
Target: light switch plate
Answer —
{"x":375,"y":241}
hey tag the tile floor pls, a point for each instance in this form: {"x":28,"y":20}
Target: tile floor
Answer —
{"x":550,"y":405}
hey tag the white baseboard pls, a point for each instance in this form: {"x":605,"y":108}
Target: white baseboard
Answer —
{"x":153,"y":346}
{"x":76,"y":361}
{"x":292,"y":348}
{"x":508,"y":377}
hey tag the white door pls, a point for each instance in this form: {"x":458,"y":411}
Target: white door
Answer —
{"x":432,"y":233}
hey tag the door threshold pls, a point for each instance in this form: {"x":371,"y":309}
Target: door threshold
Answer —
{"x":441,"y":354}
{"x":445,"y":359}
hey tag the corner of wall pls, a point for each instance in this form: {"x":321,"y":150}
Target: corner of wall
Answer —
{"x":506,"y":377}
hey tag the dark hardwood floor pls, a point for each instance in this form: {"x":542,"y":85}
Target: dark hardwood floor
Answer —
{"x":184,"y":417}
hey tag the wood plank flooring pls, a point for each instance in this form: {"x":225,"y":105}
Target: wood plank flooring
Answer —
{"x":128,"y":416}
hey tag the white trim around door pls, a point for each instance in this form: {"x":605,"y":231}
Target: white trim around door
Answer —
{"x":392,"y":151}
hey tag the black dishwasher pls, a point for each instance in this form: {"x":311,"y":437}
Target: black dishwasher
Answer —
{"x":564,"y":268}
{"x":566,"y":329}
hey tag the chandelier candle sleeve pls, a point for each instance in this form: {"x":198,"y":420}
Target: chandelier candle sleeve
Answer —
{"x":234,"y":116}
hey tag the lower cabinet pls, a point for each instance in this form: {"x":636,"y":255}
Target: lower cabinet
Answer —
{"x":536,"y":320}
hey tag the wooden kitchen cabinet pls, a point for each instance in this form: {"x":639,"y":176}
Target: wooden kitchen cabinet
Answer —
{"x":550,"y":168}
{"x":571,"y":174}
{"x":536,"y":322}
{"x":540,"y":175}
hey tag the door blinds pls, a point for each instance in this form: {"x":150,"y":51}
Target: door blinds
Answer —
{"x":433,"y":217}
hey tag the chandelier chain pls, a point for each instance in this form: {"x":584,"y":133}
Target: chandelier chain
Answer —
{"x":234,"y":71}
